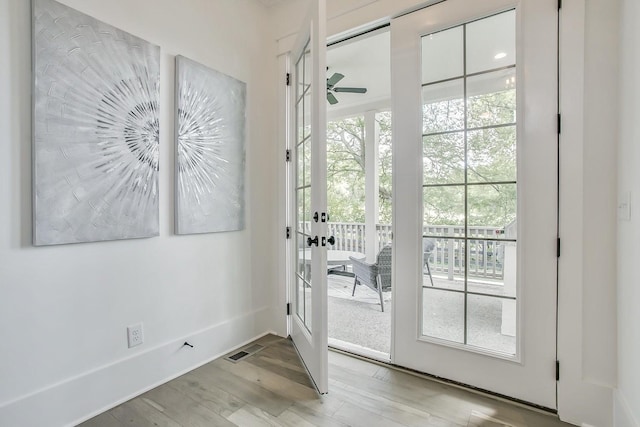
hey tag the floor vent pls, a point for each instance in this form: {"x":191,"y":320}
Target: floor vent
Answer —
{"x":245,"y":352}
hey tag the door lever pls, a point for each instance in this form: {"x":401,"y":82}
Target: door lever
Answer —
{"x":311,"y":242}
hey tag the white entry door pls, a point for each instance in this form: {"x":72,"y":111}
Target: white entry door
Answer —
{"x":308,"y":201}
{"x":475,"y":194}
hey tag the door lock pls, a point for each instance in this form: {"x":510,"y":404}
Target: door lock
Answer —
{"x":331,"y":240}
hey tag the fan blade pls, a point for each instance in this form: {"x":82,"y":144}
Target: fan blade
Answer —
{"x":332,"y":99}
{"x":350,"y":89}
{"x":331,"y":81}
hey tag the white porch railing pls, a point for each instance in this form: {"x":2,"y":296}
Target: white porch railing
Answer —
{"x":485,"y":257}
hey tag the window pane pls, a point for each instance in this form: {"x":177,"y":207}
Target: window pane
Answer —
{"x":300,"y":86}
{"x":307,"y":305}
{"x":307,"y":68}
{"x":300,"y":199}
{"x":302,"y":254}
{"x":492,"y":154}
{"x":306,"y":159}
{"x":307,"y":209}
{"x":307,"y":113}
{"x":300,"y":79}
{"x":445,"y":261}
{"x":491,"y":323}
{"x":491,"y":42}
{"x":300,"y":298}
{"x":444,"y":158}
{"x":442,"y":55}
{"x":443,"y":314}
{"x":487,"y":272}
{"x":491,"y":98}
{"x":299,"y":121}
{"x":443,"y":106}
{"x":492,"y":207}
{"x":444,"y":207}
{"x":299,"y":165}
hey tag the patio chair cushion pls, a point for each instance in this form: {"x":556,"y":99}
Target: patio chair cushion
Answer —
{"x":367,"y":273}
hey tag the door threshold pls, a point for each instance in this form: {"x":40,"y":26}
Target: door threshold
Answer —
{"x":358,"y":350}
{"x":387,"y":363}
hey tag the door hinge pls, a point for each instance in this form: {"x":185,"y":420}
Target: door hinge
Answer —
{"x":558,"y":248}
{"x":559,"y":124}
{"x":288,"y":231}
{"x":557,"y":370}
{"x":287,"y":155}
{"x":288,"y":309}
{"x":288,"y":79}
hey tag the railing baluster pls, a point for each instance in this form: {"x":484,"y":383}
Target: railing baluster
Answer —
{"x":485,"y":257}
{"x":450,"y":254}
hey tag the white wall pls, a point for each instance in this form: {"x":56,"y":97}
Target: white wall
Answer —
{"x":64,"y":309}
{"x":627,"y":405}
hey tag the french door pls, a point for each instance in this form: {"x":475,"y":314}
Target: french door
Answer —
{"x":308,"y":185}
{"x":474,"y":87}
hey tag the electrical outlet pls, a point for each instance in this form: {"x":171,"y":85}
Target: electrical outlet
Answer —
{"x":624,"y":206}
{"x":134,"y":335}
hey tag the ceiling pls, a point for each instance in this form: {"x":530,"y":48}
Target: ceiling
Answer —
{"x":365,"y":62}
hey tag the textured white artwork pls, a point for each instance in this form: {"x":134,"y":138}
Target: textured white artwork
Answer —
{"x":210,"y":149}
{"x":95,"y":129}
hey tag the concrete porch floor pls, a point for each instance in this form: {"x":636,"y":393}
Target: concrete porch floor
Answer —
{"x":359,"y":321}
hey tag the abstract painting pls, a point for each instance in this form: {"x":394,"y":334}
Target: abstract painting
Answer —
{"x":210,"y":149}
{"x":95,"y":129}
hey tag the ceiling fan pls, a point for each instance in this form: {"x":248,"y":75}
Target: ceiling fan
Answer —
{"x":331,"y":88}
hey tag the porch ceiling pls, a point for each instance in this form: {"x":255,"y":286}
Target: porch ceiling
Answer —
{"x":365,"y":63}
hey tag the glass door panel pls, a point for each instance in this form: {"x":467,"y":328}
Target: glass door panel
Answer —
{"x":307,"y":272}
{"x":303,"y":189}
{"x":475,"y":272}
{"x":470,"y":175}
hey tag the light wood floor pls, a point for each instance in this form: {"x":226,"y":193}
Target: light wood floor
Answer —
{"x":271,"y":388}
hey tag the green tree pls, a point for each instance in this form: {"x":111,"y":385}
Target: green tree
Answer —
{"x":346,"y":159}
{"x":487,"y":158}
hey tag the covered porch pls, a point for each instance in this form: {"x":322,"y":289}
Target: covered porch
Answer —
{"x":356,"y":323}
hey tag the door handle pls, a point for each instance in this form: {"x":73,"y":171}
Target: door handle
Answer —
{"x":311,"y":242}
{"x":331,"y":240}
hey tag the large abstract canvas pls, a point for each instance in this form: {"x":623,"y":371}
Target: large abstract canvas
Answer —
{"x":210,"y":149}
{"x":95,"y":129}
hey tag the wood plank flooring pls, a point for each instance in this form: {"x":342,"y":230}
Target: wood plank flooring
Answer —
{"x":271,"y":388}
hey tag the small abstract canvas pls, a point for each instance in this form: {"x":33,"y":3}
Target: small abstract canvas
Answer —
{"x":95,"y":129}
{"x":210,"y":149}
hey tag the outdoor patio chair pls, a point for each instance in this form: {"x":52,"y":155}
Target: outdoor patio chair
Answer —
{"x":375,"y":276}
{"x":428,"y":245}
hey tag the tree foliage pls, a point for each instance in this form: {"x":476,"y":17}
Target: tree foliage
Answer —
{"x":346,"y":158}
{"x":482,"y":153}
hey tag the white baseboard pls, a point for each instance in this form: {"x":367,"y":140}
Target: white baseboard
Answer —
{"x":88,"y":394}
{"x":622,"y":415}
